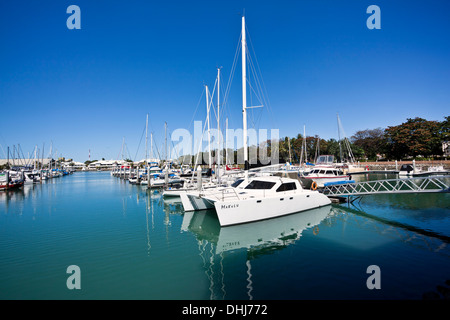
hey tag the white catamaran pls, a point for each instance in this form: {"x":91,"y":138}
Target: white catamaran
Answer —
{"x":255,"y":198}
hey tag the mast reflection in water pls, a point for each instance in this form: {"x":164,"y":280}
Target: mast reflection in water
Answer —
{"x":257,"y":238}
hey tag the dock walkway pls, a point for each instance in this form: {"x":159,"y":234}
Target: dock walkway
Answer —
{"x":390,"y":186}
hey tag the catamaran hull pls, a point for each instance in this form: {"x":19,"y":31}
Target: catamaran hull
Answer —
{"x":243,"y":211}
{"x":161,"y":183}
{"x":195,"y":203}
{"x":173,"y":193}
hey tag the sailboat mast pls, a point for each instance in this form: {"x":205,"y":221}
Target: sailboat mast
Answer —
{"x":51,"y":154}
{"x":244,"y":97}
{"x":209,"y":129}
{"x":304,"y":143}
{"x":339,"y":137}
{"x":317,"y":154}
{"x":226,"y":141}
{"x":123,"y":145}
{"x":42,"y":162}
{"x":165,"y":143}
{"x":151,"y":145}
{"x":289,"y":143}
{"x":146,"y":140}
{"x":218,"y":125}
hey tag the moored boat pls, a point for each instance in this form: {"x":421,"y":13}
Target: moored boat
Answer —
{"x":257,"y":198}
{"x":264,"y":198}
{"x":7,"y":182}
{"x":325,"y":171}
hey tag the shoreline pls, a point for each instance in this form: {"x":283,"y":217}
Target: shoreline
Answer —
{"x":392,"y":164}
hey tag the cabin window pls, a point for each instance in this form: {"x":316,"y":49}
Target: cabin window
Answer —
{"x":257,"y":184}
{"x":329,"y":172}
{"x":237,"y":182}
{"x":287,"y":186}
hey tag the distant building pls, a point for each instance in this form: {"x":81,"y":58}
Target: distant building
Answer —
{"x":106,"y":164}
{"x":74,"y":165}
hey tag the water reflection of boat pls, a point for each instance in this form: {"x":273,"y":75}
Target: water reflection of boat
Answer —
{"x":254,"y":239}
{"x":275,"y":233}
{"x":262,"y":236}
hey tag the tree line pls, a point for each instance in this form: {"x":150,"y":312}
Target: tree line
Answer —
{"x":415,"y":138}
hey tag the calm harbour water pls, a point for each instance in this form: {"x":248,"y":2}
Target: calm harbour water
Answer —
{"x":131,"y":244}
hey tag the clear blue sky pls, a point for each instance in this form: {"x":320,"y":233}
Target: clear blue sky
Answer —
{"x":90,"y":88}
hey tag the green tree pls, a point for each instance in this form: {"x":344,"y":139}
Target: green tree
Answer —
{"x":415,"y":137}
{"x":332,"y":148}
{"x":283,"y":151}
{"x":371,"y":142}
{"x":88,"y":162}
{"x":445,"y":129}
{"x":358,"y":152}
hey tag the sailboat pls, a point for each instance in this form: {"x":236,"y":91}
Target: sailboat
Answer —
{"x":261,"y":197}
{"x":221,"y":177}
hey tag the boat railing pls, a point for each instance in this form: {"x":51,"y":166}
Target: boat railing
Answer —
{"x":232,"y":194}
{"x":225,"y":193}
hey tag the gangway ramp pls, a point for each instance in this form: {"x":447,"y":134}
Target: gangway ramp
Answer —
{"x":390,"y":186}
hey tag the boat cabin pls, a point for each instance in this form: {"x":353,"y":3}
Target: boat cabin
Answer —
{"x":267,"y":184}
{"x":326,"y":172}
{"x":407,"y":167}
{"x":325,"y":160}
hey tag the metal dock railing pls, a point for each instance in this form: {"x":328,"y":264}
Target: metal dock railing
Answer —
{"x":390,"y":186}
